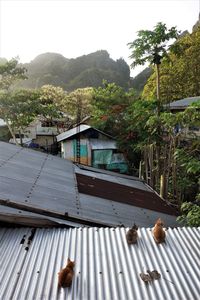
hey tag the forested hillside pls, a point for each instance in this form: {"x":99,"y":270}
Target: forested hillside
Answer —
{"x":85,"y":71}
{"x":180,"y":72}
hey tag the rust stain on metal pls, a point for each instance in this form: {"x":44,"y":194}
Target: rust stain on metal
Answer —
{"x":124,"y":194}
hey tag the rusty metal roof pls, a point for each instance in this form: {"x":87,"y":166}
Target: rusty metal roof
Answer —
{"x":106,"y":267}
{"x":135,"y":193}
{"x":35,"y":186}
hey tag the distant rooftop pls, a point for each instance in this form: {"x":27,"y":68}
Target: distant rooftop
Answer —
{"x":183,"y":103}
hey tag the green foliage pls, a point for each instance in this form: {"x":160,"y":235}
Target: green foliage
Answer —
{"x":51,"y":101}
{"x":184,"y":59}
{"x":18,"y":108}
{"x":10,"y":72}
{"x":77,"y":104}
{"x":188,"y":170}
{"x":151,"y":46}
{"x":190,"y":214}
{"x":141,"y":118}
{"x":109,"y":106}
{"x":179,"y":160}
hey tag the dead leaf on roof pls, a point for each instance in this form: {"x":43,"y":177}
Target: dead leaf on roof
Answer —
{"x":145,"y":277}
{"x":154,"y":274}
{"x":150,"y":276}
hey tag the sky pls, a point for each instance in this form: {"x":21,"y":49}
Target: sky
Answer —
{"x":75,"y":28}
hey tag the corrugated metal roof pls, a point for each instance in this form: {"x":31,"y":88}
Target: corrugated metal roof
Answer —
{"x":65,"y":135}
{"x":38,"y":180}
{"x":183,"y":103}
{"x":106,"y":172}
{"x":25,"y":218}
{"x":114,"y":178}
{"x":83,"y":127}
{"x":37,"y":186}
{"x":122,"y":193}
{"x":106,"y":268}
{"x":116,"y":213}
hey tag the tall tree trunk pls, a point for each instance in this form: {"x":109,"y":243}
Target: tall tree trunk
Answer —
{"x":168,"y":166}
{"x":158,"y":88}
{"x":158,"y":150}
{"x":11,"y":131}
{"x":21,"y":139}
{"x":151,"y":148}
{"x":146,"y":164}
{"x":163,"y":178}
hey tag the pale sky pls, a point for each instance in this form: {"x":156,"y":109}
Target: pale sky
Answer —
{"x":74,"y":28}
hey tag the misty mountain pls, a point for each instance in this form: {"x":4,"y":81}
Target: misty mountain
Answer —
{"x":84,"y":71}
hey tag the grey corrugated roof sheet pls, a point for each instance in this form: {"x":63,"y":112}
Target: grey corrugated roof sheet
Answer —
{"x":183,"y":103}
{"x":38,"y":180}
{"x":36,"y":187}
{"x":116,"y":213}
{"x":25,"y":218}
{"x":81,"y":128}
{"x":106,"y":268}
{"x":114,"y":177}
{"x":67,"y":134}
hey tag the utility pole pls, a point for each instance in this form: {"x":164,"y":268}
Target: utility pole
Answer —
{"x":78,"y":120}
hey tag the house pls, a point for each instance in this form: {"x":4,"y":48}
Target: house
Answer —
{"x":41,"y":134}
{"x":181,"y":105}
{"x":97,"y":148}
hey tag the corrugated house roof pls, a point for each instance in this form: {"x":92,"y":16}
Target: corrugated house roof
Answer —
{"x":121,"y":189}
{"x":79,"y":129}
{"x":106,"y":267}
{"x":183,"y":103}
{"x":36,"y":182}
{"x":67,"y":134}
{"x":38,"y":186}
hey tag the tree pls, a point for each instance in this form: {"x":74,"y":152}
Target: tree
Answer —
{"x":109,"y":106}
{"x":174,"y":82}
{"x":151,"y":46}
{"x":179,"y":155}
{"x":77,"y":104}
{"x":190,"y":214}
{"x":10,"y":72}
{"x":52,"y":100}
{"x":19,"y":109}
